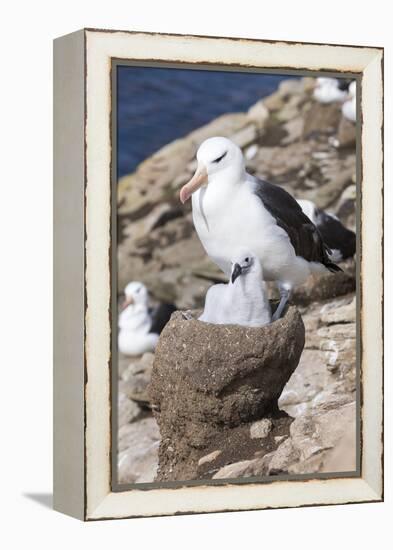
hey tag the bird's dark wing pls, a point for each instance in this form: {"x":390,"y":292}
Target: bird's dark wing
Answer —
{"x":335,"y":234}
{"x":160,"y":316}
{"x":304,"y":236}
{"x":343,"y":84}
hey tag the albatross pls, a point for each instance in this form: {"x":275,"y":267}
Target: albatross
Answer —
{"x":329,"y":90}
{"x":140,"y":325}
{"x":233,"y":211}
{"x":349,"y":107}
{"x":340,"y":240}
{"x":243,"y":301}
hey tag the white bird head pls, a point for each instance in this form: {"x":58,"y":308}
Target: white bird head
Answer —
{"x":352,"y":89}
{"x":135,"y":293}
{"x":326,"y":82}
{"x":243,"y":263}
{"x":216,"y":156}
{"x":327,"y":90}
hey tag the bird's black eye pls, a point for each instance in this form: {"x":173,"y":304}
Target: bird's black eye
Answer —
{"x":220,"y":158}
{"x":247,"y":259}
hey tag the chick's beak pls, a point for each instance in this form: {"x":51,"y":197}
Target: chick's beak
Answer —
{"x":197,"y":180}
{"x":236,"y":271}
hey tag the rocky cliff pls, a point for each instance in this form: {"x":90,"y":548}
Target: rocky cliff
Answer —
{"x":309,"y":149}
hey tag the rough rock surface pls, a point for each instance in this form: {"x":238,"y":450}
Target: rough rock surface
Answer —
{"x":326,"y":377}
{"x":138,"y":433}
{"x":211,"y":382}
{"x":138,"y":451}
{"x":136,"y":377}
{"x":309,"y":149}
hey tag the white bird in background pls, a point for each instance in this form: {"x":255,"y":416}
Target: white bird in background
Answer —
{"x":243,"y":301}
{"x":234,"y":211}
{"x":340,"y":240}
{"x":328,"y":90}
{"x":349,"y":107}
{"x":135,"y":322}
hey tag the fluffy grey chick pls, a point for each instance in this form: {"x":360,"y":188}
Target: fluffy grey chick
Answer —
{"x":243,"y":301}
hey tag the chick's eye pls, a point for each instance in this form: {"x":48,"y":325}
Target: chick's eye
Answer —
{"x":247,"y":259}
{"x":220,"y":158}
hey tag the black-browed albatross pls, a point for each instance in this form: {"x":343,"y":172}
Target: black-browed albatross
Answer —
{"x":139,"y":324}
{"x":233,"y":211}
{"x":340,"y":240}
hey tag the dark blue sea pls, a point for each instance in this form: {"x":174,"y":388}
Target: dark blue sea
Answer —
{"x":156,"y":106}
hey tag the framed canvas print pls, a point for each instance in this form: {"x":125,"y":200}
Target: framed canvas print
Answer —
{"x":218,"y":274}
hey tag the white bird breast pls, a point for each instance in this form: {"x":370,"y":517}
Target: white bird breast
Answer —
{"x":135,"y":318}
{"x":229,"y":218}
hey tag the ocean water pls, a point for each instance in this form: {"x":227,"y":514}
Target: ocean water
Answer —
{"x":156,"y":105}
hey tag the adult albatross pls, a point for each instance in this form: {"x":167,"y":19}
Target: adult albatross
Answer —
{"x":233,"y":211}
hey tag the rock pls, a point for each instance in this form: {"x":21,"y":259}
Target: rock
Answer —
{"x":341,"y":457}
{"x":138,"y":451}
{"x":346,"y":207}
{"x":306,"y":382}
{"x":210,"y":379}
{"x":122,"y":363}
{"x":346,"y":135}
{"x":244,"y":468}
{"x":225,"y":125}
{"x":259,"y":114}
{"x":290,"y":109}
{"x":294,"y":130}
{"x":127,"y":409}
{"x":324,"y":287}
{"x":136,"y":378}
{"x":209,"y":458}
{"x":251,"y":151}
{"x":260,"y":428}
{"x":331,"y":314}
{"x":154,"y":174}
{"x":349,"y":193}
{"x":326,"y":375}
{"x":283,"y":458}
{"x":328,"y":193}
{"x":273,"y":102}
{"x":245,"y":136}
{"x":290,"y":87}
{"x":322,"y":118}
{"x":279,"y":164}
{"x":308,"y":450}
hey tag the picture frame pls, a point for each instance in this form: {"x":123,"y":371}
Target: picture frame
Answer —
{"x":84,"y":256}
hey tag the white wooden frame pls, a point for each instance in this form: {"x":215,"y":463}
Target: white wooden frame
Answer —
{"x":82,"y":468}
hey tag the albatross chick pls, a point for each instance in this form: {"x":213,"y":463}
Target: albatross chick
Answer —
{"x":243,"y":300}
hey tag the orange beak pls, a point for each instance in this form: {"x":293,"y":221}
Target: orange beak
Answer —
{"x":197,"y":180}
{"x":127,"y":302}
